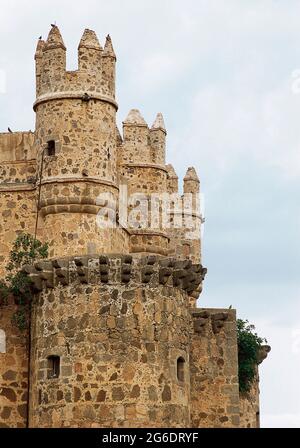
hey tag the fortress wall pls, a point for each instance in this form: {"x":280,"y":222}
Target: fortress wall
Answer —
{"x":18,"y":213}
{"x":119,"y":337}
{"x":214,"y":369}
{"x":13,"y":371}
{"x":249,"y":407}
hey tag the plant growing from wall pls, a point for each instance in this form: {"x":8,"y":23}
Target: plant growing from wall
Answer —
{"x":249,"y":344}
{"x":25,"y":250}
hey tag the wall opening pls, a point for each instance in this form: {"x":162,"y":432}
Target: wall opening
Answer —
{"x":51,"y":148}
{"x":180,"y":369}
{"x":257,"y":420}
{"x":53,"y":366}
{"x":2,"y":341}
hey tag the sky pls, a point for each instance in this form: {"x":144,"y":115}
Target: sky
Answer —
{"x":226,"y":76}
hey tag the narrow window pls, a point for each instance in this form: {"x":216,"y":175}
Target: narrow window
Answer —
{"x":51,"y":148}
{"x":2,"y":341}
{"x":53,"y":366}
{"x":180,"y":369}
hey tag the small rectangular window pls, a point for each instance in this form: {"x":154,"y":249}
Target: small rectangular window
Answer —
{"x":53,"y":366}
{"x":51,"y":148}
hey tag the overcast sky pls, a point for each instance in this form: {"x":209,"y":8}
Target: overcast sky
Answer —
{"x":224,"y":74}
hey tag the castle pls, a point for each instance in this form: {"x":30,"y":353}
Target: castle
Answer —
{"x":116,"y":339}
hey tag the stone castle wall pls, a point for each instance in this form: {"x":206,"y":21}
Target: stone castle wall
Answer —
{"x":17,"y":189}
{"x":214,"y":369}
{"x":249,"y":406}
{"x":119,"y":338}
{"x":13,"y":371}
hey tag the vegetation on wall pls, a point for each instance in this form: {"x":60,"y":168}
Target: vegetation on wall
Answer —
{"x":25,"y":250}
{"x":249,"y":344}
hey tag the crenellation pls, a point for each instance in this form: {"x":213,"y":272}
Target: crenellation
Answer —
{"x":172,"y":179}
{"x":158,"y":140}
{"x":89,"y":53}
{"x":113,"y":269}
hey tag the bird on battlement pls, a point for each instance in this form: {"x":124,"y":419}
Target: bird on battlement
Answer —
{"x":9,"y":130}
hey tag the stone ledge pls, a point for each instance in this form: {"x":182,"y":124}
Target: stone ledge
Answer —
{"x":217,"y":317}
{"x":65,"y":95}
{"x":139,"y":271}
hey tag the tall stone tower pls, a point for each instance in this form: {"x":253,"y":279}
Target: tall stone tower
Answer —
{"x":76,"y":144}
{"x":116,"y":338}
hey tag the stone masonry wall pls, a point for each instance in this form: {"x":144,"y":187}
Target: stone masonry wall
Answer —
{"x":214,"y":369}
{"x":13,"y":371}
{"x":17,"y":189}
{"x":119,"y":325}
{"x":249,"y":407}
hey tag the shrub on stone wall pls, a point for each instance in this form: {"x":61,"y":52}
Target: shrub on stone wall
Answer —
{"x":25,"y":250}
{"x":249,"y":344}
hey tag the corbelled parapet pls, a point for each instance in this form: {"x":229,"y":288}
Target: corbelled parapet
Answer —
{"x":202,"y":317}
{"x":113,"y":269}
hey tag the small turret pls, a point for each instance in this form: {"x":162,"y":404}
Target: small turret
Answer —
{"x":159,"y":123}
{"x":89,"y":52}
{"x":109,"y":67}
{"x":108,"y":48}
{"x":172,"y":179}
{"x":39,"y":63}
{"x":39,"y":49}
{"x":191,"y":182}
{"x":136,"y":131}
{"x":158,"y":139}
{"x":135,"y":118}
{"x":54,"y":56}
{"x":55,"y":39}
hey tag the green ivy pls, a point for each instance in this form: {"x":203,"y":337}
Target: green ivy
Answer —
{"x":249,"y":344}
{"x":26,"y":250}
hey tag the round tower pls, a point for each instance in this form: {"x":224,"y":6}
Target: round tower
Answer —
{"x":76,"y":143}
{"x":142,"y":165}
{"x":110,"y":341}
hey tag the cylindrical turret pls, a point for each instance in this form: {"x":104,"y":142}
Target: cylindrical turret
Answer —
{"x":158,"y":140}
{"x":76,"y":143}
{"x":172,"y":179}
{"x":89,"y":54}
{"x":146,"y":175}
{"x":191,"y":182}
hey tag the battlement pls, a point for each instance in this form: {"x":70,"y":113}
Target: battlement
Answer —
{"x":93,"y":80}
{"x":17,"y":146}
{"x":148,"y":271}
{"x":17,"y":160}
{"x":140,"y":143}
